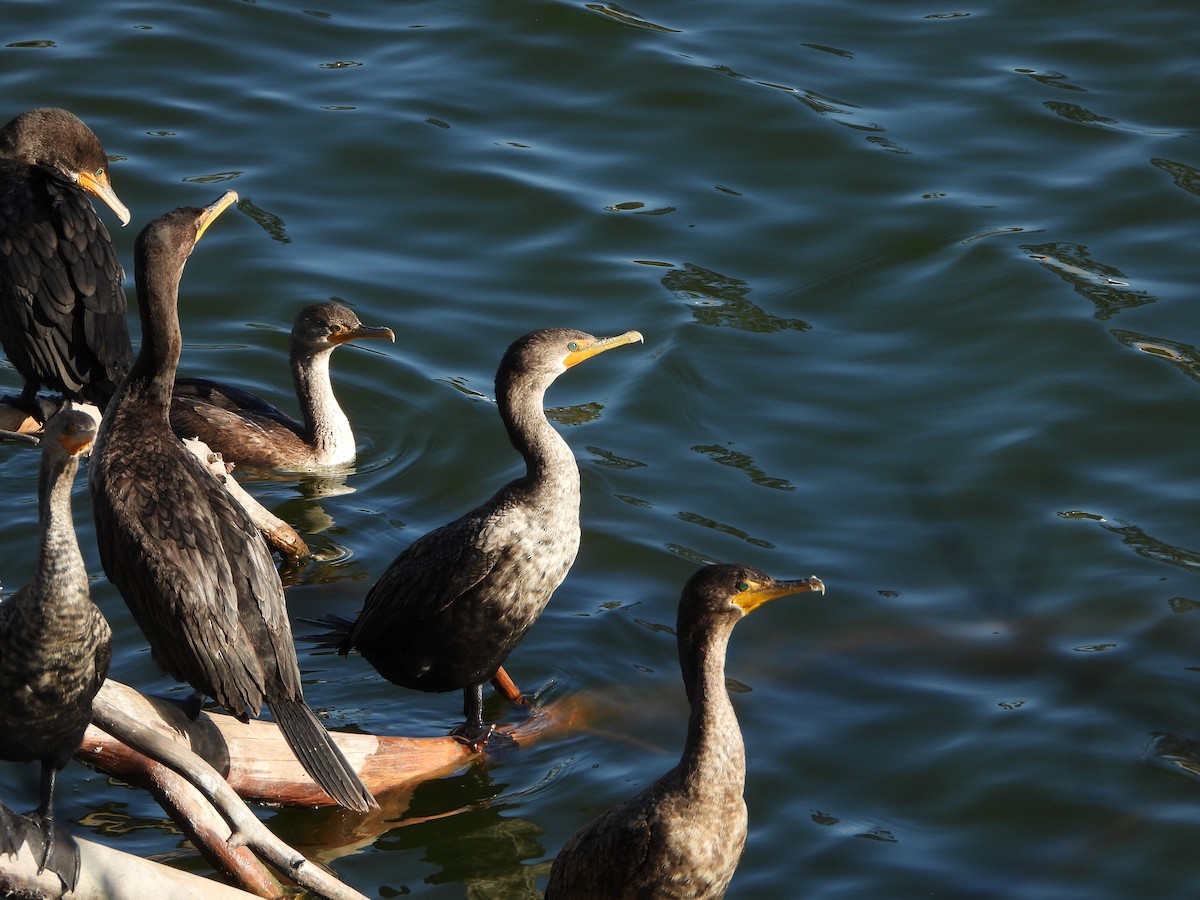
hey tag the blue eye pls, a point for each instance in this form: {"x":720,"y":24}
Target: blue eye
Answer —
{"x":743,"y":586}
{"x":100,"y":173}
{"x":573,"y":346}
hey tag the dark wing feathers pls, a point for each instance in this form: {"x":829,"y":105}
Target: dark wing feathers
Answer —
{"x":164,"y":547}
{"x":431,"y":574}
{"x":228,"y":397}
{"x":63,"y":319}
{"x":259,"y":432}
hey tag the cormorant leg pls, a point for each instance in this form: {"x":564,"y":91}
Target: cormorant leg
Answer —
{"x":62,"y":856}
{"x":45,"y":814}
{"x":472,"y":731}
{"x":507,"y":688}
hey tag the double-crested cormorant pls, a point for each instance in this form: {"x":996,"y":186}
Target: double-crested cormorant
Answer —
{"x":251,"y":432}
{"x":190,"y":564}
{"x":683,"y":835}
{"x":453,"y":605}
{"x":55,"y":646}
{"x":62,"y":309}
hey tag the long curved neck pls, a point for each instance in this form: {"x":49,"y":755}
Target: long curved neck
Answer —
{"x":326,"y":428}
{"x":714,"y":756}
{"x":158,"y":358}
{"x":59,"y":571}
{"x":549,"y":462}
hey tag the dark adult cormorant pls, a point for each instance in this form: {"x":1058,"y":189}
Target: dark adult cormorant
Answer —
{"x":453,"y":605}
{"x":249,"y":431}
{"x":185,"y":556}
{"x":62,"y":309}
{"x":683,"y":835}
{"x":55,"y":645}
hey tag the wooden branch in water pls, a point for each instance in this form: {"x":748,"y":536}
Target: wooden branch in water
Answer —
{"x":14,"y":419}
{"x":258,"y":764}
{"x":111,"y":714}
{"x":208,"y":831}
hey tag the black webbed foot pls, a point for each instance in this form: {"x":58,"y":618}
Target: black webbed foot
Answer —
{"x":10,"y":831}
{"x":59,"y":852}
{"x":480,"y":737}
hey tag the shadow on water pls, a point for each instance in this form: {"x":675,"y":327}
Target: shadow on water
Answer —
{"x":484,"y":850}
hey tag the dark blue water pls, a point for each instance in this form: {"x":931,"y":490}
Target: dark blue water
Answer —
{"x":917,"y":285}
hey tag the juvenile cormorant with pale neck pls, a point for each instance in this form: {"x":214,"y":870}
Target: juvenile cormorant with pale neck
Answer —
{"x":455,"y":603}
{"x":186,"y":557}
{"x":682,"y":836}
{"x":62,"y":308}
{"x":55,"y":645}
{"x":248,"y":431}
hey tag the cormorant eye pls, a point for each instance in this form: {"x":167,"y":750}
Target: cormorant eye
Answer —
{"x":100,"y":172}
{"x":573,"y":346}
{"x":742,"y":586}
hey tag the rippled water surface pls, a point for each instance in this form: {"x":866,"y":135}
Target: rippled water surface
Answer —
{"x":917,"y":285}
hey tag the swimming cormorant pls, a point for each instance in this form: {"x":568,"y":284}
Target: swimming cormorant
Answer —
{"x":684,"y":834}
{"x":248,"y":431}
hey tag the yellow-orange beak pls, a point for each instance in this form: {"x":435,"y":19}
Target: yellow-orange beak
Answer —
{"x":755,"y":595}
{"x":367,"y":331}
{"x":578,"y":351}
{"x":213,"y":210}
{"x":97,"y":183}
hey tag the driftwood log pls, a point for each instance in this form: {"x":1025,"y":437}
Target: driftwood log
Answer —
{"x":200,"y":769}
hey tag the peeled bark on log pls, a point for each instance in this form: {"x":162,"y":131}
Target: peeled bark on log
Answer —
{"x":244,"y":827}
{"x":208,"y":831}
{"x":14,"y":419}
